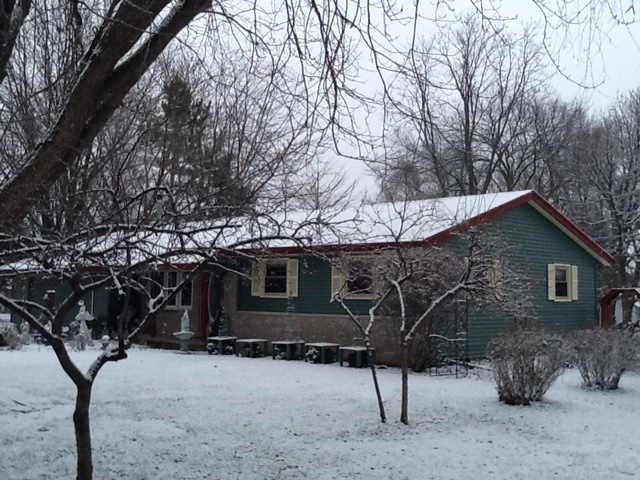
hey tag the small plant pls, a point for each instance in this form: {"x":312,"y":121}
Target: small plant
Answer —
{"x":9,"y":336}
{"x":602,"y":356}
{"x":312,"y":355}
{"x":214,"y":348}
{"x":525,"y":364}
{"x":73,"y":329}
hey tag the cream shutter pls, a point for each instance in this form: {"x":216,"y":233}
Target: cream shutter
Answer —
{"x":574,"y":282}
{"x":258,"y":271}
{"x":292,"y":277}
{"x":337,"y":280}
{"x":551,"y":281}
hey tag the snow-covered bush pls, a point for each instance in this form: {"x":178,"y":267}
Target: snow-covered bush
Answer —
{"x":9,"y":336}
{"x":525,"y":364}
{"x":279,"y":353}
{"x":602,"y":356}
{"x":73,"y":329}
{"x":312,"y":355}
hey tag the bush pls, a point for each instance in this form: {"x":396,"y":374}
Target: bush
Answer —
{"x":602,"y":356}
{"x":525,"y":364}
{"x":9,"y":336}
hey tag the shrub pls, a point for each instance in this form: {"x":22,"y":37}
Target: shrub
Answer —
{"x":525,"y":364}
{"x":602,"y":356}
{"x":9,"y":336}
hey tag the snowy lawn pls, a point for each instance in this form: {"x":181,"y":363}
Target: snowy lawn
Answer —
{"x":165,"y":415}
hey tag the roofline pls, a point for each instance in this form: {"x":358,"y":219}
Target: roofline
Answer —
{"x":532,"y":198}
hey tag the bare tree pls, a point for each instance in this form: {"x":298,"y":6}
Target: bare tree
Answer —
{"x":581,"y":28}
{"x":432,"y":277}
{"x":119,"y":41}
{"x":462,"y":107}
{"x":123,"y":258}
{"x":322,"y":187}
{"x":129,"y":38}
{"x":126,"y":208}
{"x":605,"y":186}
{"x":409,"y":280}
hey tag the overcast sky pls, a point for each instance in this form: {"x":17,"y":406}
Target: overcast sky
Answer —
{"x":614,"y":54}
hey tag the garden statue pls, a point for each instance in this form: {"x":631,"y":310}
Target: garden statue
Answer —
{"x":184,"y":334}
{"x":184,"y":322}
{"x":25,"y":338}
{"x":83,"y":338}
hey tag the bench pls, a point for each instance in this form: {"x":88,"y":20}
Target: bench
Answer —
{"x":356,"y":356}
{"x":321,"y":352}
{"x":251,"y":347}
{"x":221,"y":345}
{"x":288,"y":349}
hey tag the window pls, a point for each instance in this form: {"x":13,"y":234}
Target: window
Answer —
{"x":489,"y":271}
{"x":169,"y":281}
{"x":495,"y":275}
{"x":562,"y":282}
{"x":275,"y":278}
{"x":353,"y":279}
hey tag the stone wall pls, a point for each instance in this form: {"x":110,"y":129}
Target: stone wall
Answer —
{"x":306,"y":327}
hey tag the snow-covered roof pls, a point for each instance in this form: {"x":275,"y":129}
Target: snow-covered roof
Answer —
{"x":369,"y":225}
{"x":412,"y":221}
{"x":428,"y":220}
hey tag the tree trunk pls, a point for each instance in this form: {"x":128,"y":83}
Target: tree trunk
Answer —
{"x":83,"y":432}
{"x":404,"y":359}
{"x":374,"y":375}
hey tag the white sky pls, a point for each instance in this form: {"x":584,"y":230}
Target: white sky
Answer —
{"x":614,"y":56}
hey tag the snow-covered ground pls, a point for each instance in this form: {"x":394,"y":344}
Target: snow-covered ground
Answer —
{"x":165,"y":415}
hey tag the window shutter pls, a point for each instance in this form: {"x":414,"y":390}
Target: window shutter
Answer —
{"x":574,"y":282}
{"x":337,"y":280}
{"x":292,"y":277}
{"x":495,"y":275}
{"x":257,"y":278}
{"x":551,"y":281}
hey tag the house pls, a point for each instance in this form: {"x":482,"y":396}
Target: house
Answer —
{"x":285,"y":287}
{"x":289,"y":292}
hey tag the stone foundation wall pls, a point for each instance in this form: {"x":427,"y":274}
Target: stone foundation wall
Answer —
{"x":312,"y":328}
{"x":306,"y":327}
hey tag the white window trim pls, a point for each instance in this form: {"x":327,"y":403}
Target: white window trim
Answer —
{"x":339,"y":277}
{"x":259,"y":273}
{"x":572,"y":282}
{"x":178,"y":298}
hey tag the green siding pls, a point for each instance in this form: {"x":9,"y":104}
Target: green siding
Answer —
{"x":532,"y":242}
{"x":17,"y":292}
{"x":314,"y":293}
{"x":38,"y":288}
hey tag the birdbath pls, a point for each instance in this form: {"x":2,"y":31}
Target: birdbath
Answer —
{"x":84,"y":336}
{"x":184,"y":334}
